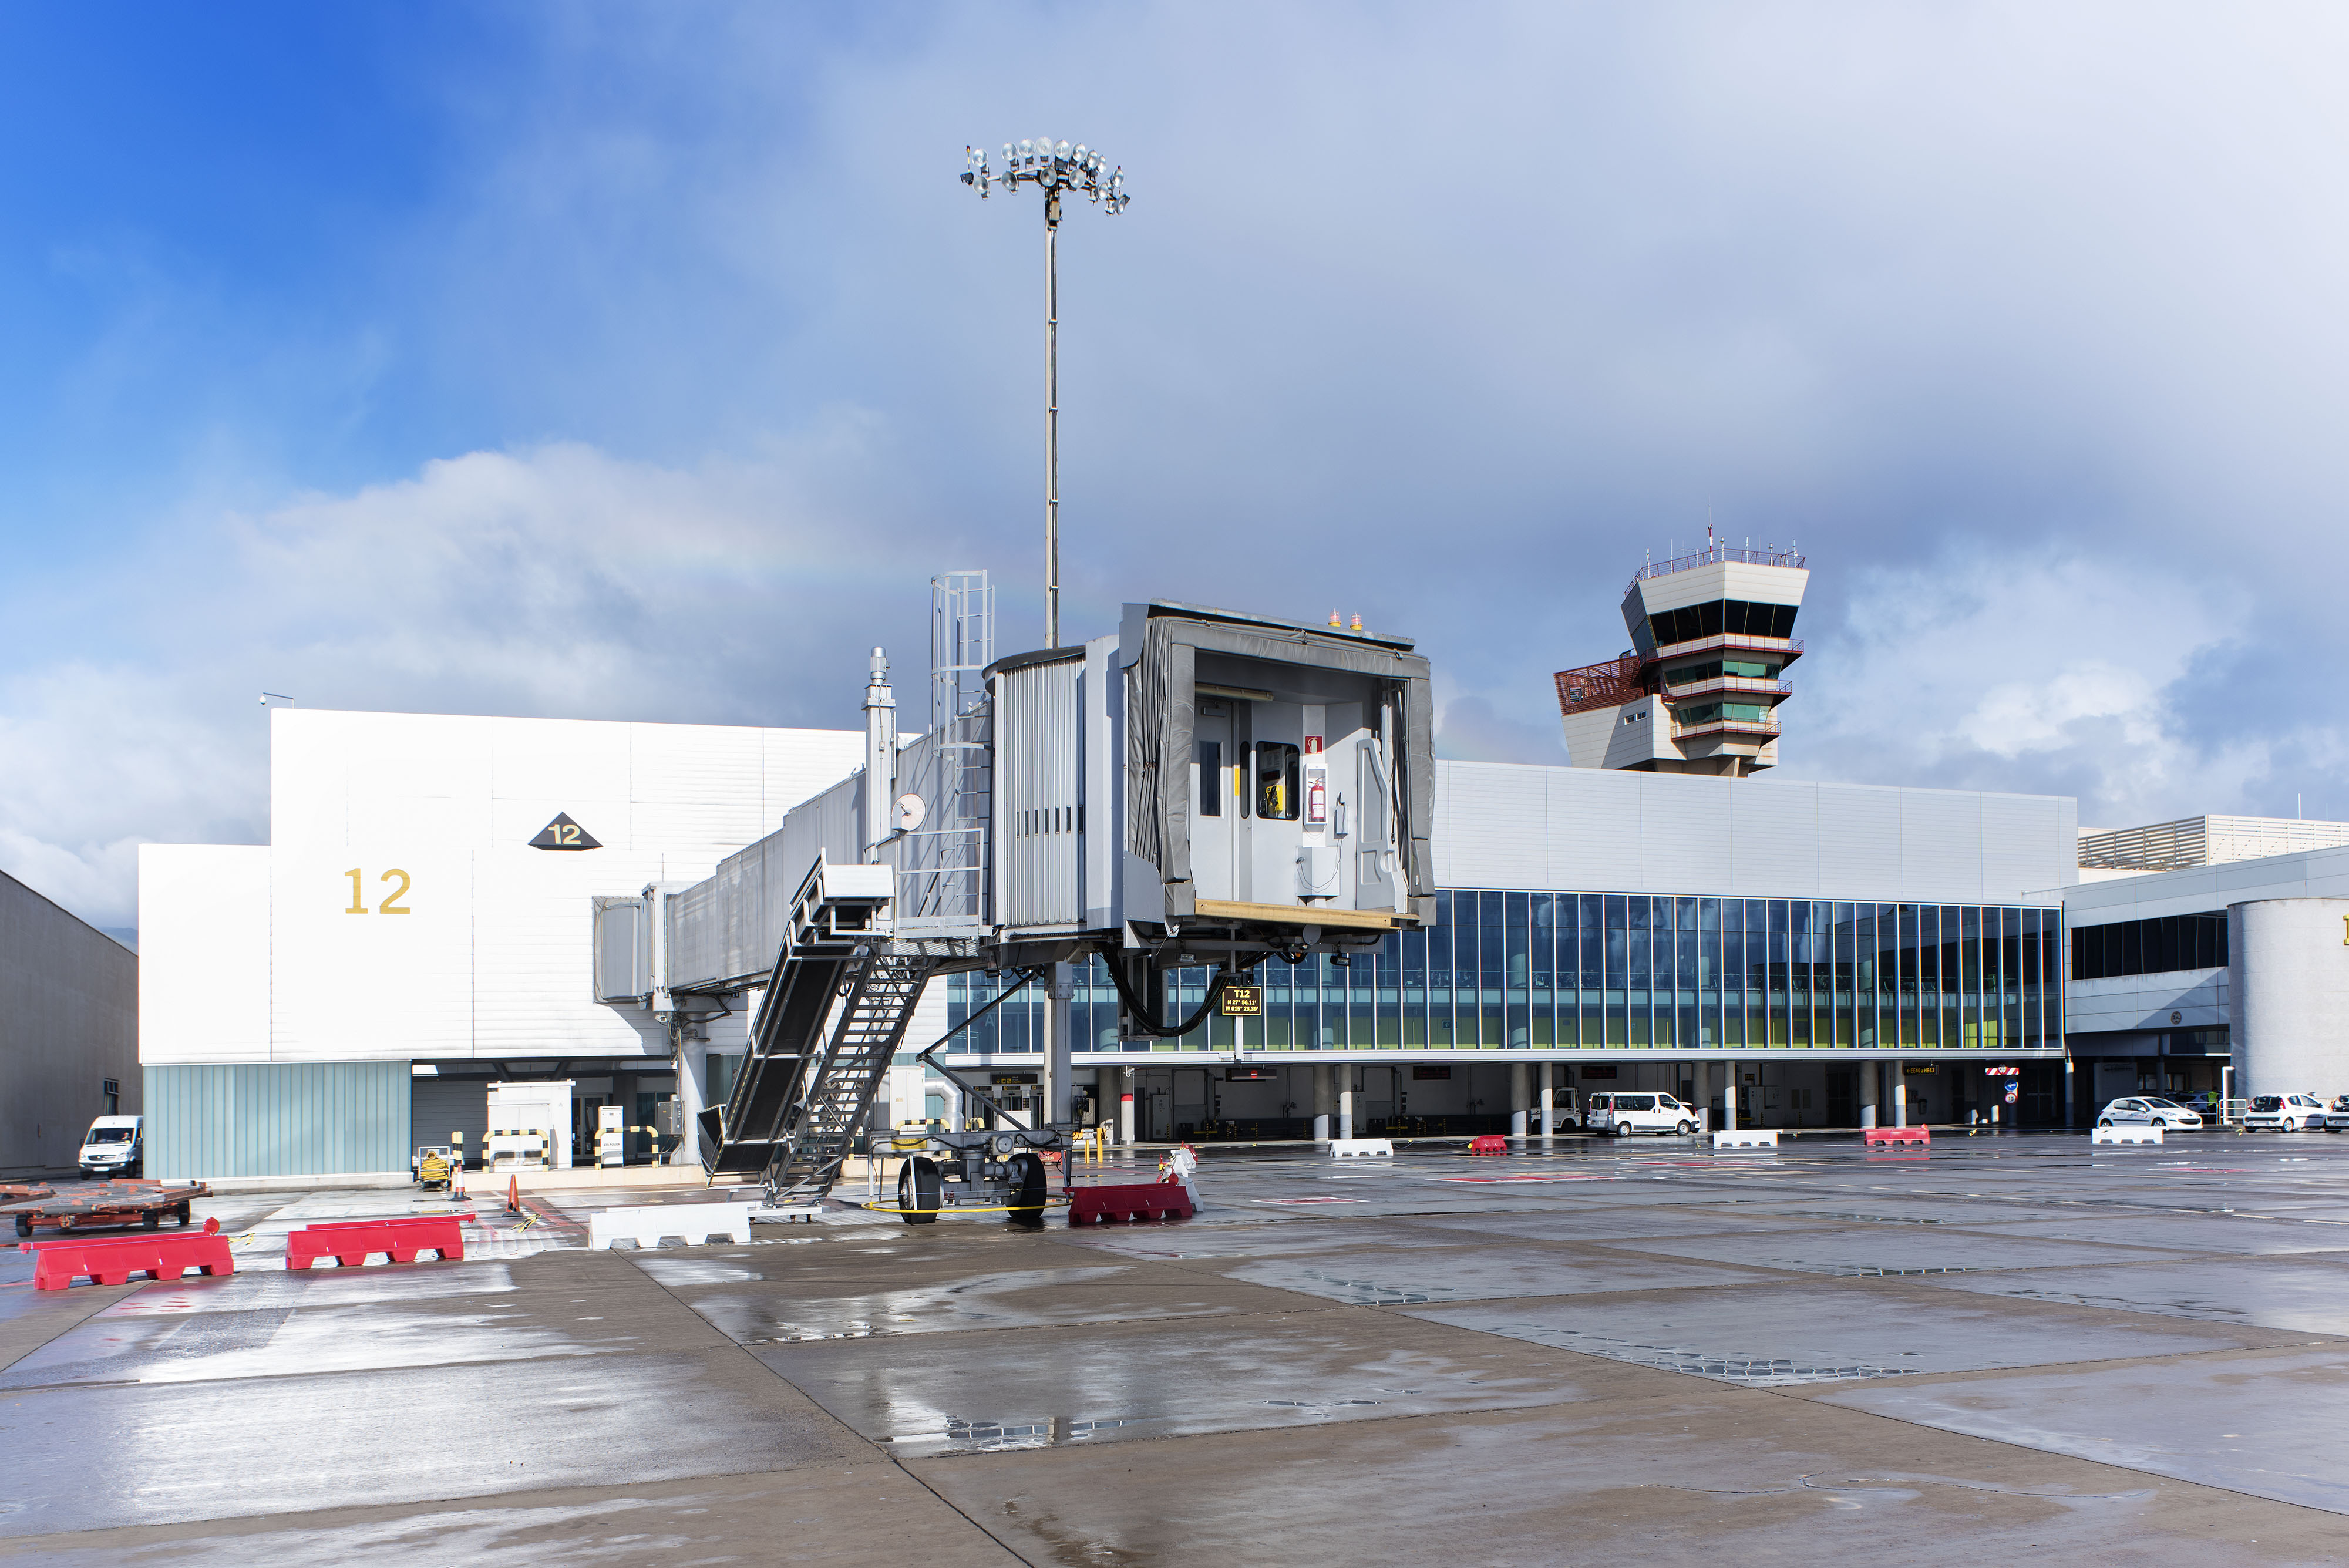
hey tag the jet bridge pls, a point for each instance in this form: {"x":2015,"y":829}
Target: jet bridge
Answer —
{"x":1200,"y":788}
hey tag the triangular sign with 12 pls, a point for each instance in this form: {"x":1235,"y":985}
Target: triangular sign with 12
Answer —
{"x":565,"y":833}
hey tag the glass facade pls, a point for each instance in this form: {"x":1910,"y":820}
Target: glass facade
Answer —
{"x":1616,"y":971}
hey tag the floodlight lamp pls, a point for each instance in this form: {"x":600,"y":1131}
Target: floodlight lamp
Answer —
{"x":1062,"y":150}
{"x":1026,"y":147}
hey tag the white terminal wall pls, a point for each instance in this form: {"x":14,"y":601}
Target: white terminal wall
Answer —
{"x":2267,"y":981}
{"x":1573,"y":829}
{"x":257,"y":956}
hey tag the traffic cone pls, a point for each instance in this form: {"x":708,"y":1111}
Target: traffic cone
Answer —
{"x":514,"y":1194}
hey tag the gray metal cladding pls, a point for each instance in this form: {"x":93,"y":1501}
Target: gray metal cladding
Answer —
{"x":278,"y":1119}
{"x":439,"y":1106}
{"x":694,"y":950}
{"x":1037,"y":799}
{"x":1540,"y":828}
{"x":1860,"y":843}
{"x":622,"y":950}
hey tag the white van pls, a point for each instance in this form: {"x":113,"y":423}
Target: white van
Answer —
{"x":114,"y":1146}
{"x":1620,"y":1116}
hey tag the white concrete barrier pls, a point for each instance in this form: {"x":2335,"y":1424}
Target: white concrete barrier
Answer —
{"x":694,"y":1223}
{"x":1747,"y":1139}
{"x":2126,"y":1135}
{"x":1361,"y":1147}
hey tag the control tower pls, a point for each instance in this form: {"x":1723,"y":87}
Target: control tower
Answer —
{"x":1699,"y":689}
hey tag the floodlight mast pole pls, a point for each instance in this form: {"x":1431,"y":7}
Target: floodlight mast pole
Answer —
{"x":1052,"y":166}
{"x":1052,"y":417}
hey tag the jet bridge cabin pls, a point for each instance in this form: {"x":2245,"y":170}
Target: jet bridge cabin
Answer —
{"x":1205,"y":775}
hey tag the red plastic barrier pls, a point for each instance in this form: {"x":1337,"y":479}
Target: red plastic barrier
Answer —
{"x":1491,"y":1143}
{"x":1897,"y":1135}
{"x":112,"y":1260}
{"x":1131,"y":1200}
{"x":350,"y":1242}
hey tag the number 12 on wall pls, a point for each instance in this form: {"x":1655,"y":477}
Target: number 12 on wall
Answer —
{"x":391,"y":904}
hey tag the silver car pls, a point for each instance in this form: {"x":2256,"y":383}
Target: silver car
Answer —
{"x":2148,"y":1110}
{"x":2337,"y":1119}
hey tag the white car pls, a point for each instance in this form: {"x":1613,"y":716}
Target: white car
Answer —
{"x":2148,"y":1110}
{"x":2285,"y":1113}
{"x":2337,"y":1119}
{"x":1620,"y":1116}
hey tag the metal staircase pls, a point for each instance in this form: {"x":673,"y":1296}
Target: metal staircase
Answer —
{"x":800,"y":1095}
{"x":873,"y":1017}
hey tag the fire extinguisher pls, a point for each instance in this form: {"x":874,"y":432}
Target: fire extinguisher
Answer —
{"x":1316,"y":807}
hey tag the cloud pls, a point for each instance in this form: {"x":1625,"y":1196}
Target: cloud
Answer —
{"x":672,"y":374}
{"x":558,"y":582}
{"x":2036,"y":671}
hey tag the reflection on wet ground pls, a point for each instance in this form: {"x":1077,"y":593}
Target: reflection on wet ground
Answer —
{"x":2010,"y":1344}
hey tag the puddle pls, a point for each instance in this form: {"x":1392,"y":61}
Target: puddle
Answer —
{"x":1049,"y":1432}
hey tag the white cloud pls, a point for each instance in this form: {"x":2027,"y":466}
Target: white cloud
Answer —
{"x":2026,"y":321}
{"x":2025,"y":670}
{"x":556,"y":582}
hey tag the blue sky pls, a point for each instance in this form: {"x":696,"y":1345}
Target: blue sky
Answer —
{"x":644,"y":362}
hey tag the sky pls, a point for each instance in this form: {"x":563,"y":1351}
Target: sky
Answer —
{"x":645,"y":363}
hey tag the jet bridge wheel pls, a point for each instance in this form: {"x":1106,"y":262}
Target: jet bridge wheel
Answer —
{"x":917,"y":1190}
{"x":1026,"y":1200}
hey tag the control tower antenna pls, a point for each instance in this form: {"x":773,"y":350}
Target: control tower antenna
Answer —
{"x":1051,"y":167}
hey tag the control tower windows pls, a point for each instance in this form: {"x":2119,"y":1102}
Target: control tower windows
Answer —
{"x":1722,"y":617}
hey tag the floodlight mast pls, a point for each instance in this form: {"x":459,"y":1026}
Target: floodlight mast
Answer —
{"x":1051,"y":167}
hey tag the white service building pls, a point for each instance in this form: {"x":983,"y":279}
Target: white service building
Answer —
{"x":322,"y":1003}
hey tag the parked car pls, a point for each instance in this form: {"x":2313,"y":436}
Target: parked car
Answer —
{"x":2148,"y":1110}
{"x":2337,"y":1119}
{"x":2206,"y":1103}
{"x":114,"y":1146}
{"x":2285,"y":1113}
{"x":1620,"y":1116}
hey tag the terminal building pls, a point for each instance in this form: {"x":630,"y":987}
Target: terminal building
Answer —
{"x":424,"y":921}
{"x":450,"y":904}
{"x":2211,"y":953}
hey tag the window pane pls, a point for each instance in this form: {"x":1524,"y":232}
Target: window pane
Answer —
{"x":1275,"y":781}
{"x":1211,"y":778}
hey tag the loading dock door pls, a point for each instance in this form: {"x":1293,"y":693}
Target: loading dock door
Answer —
{"x":442,"y":1105}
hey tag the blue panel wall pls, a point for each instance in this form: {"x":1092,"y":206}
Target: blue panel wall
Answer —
{"x":307,"y":1118}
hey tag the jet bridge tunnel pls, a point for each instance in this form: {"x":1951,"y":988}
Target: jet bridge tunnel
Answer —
{"x":1200,"y":788}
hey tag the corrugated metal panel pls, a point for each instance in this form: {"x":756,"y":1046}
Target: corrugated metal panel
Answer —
{"x":1489,"y":825}
{"x":1945,"y":838}
{"x":1036,"y":782}
{"x":1686,"y":835}
{"x":695,"y":952}
{"x":622,"y":950}
{"x":2016,"y":833}
{"x":440,"y":1106}
{"x":1860,"y":845}
{"x":1594,"y":831}
{"x":308,"y":1118}
{"x":1774,"y":839}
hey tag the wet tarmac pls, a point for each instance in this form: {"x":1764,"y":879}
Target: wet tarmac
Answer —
{"x":1585,"y":1351}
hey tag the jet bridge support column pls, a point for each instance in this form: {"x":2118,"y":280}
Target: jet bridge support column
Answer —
{"x":1325,"y":1101}
{"x":1060,"y":1103}
{"x":692,"y":1065}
